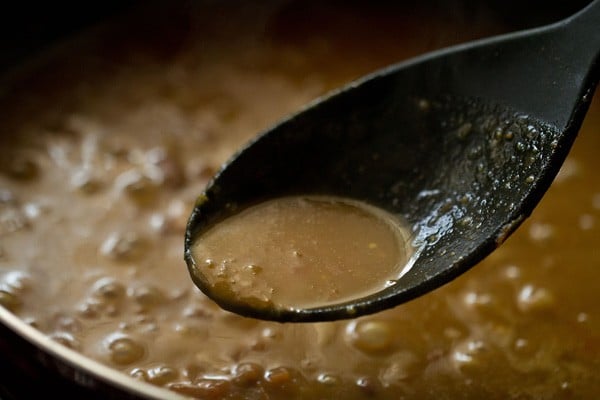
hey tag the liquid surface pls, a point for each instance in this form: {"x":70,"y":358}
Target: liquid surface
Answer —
{"x":302,"y":252}
{"x":100,"y":169}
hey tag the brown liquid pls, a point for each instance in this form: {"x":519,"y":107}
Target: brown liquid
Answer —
{"x":100,"y":169}
{"x":301,"y":252}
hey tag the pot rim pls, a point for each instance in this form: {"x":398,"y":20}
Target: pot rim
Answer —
{"x":78,"y":361}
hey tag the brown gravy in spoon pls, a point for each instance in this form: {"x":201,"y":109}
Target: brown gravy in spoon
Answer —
{"x":302,"y":252}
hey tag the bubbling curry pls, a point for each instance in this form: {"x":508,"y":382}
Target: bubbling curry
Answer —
{"x":105,"y":145}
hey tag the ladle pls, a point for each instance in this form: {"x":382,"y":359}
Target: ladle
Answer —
{"x":462,"y":142}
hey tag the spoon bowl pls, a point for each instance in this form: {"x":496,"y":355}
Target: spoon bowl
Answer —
{"x":462,"y":143}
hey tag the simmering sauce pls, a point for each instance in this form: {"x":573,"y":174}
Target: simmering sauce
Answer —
{"x":105,"y":145}
{"x":301,"y":252}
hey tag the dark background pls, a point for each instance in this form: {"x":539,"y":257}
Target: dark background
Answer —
{"x":27,"y":26}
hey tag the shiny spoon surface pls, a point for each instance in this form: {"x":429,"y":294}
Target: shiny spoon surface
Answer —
{"x":462,"y":143}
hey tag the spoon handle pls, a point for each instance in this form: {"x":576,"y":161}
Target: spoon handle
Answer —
{"x":585,"y":27}
{"x":576,"y":52}
{"x":549,"y":72}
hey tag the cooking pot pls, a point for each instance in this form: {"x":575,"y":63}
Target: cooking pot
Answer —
{"x":31,"y":361}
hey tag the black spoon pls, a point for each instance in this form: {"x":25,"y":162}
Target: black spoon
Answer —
{"x":462,"y":142}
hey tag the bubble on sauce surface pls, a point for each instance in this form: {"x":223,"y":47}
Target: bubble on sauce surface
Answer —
{"x":165,"y":166}
{"x":108,"y":288}
{"x":124,"y":350}
{"x":210,"y":389}
{"x":282,"y":379}
{"x":370,"y":336}
{"x":66,"y":339}
{"x":541,"y":232}
{"x":147,"y":297}
{"x":247,"y":373}
{"x":368,"y":385}
{"x":138,"y":186}
{"x":403,"y":365}
{"x":582,"y":317}
{"x":123,"y":246}
{"x":524,"y":347}
{"x":469,"y":355}
{"x":474,"y":299}
{"x":86,"y":180}
{"x":17,"y":281}
{"x":532,"y":298}
{"x":173,"y":220}
{"x":160,"y":375}
{"x":328,"y":379}
{"x":197,"y":311}
{"x":512,"y":272}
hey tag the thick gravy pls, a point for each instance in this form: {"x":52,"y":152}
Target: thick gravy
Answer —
{"x":302,"y":252}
